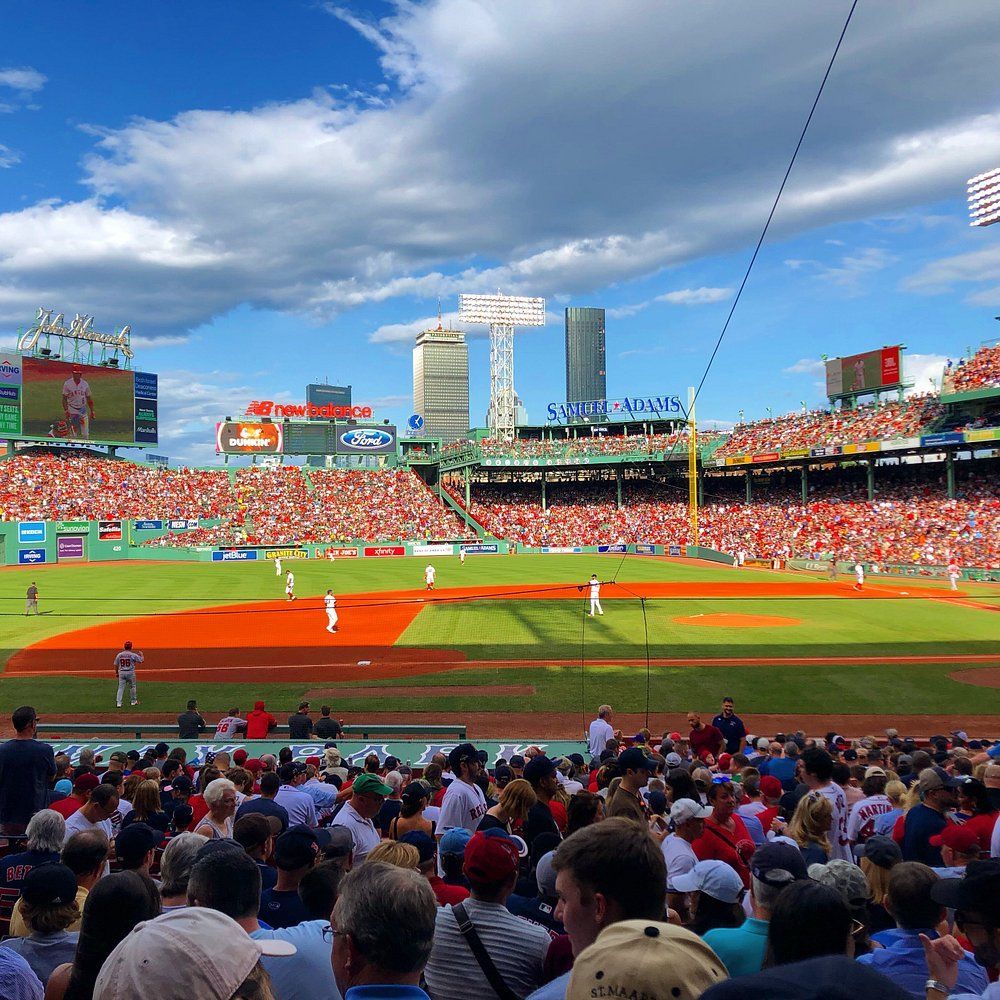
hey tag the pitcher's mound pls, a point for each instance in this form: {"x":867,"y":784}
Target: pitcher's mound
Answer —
{"x":723,"y":620}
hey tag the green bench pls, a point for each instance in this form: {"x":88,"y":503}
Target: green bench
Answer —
{"x":139,"y":729}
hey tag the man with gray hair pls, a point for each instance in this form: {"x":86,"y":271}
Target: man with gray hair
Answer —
{"x":376,"y":902}
{"x":600,"y":731}
{"x":742,"y":948}
{"x":46,"y":832}
{"x":175,"y":869}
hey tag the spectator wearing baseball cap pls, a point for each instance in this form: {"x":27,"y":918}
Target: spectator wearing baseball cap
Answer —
{"x":516,"y":948}
{"x":959,"y":845}
{"x":878,"y":857}
{"x":194,"y":952}
{"x":914,"y":902}
{"x":298,"y":804}
{"x":451,"y":851}
{"x":773,"y":868}
{"x":608,"y":872}
{"x":641,"y":958}
{"x":295,"y":853}
{"x":540,"y":908}
{"x":715,"y":895}
{"x":135,"y":846}
{"x":367,"y":795}
{"x":975,"y":898}
{"x":540,"y":773}
{"x":634,"y":769}
{"x":937,"y":791}
{"x":48,"y":906}
{"x":427,"y":850}
{"x":84,"y":783}
{"x":371,"y":958}
{"x":688,"y":820}
{"x":463,"y":804}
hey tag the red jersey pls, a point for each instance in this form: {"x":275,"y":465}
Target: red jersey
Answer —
{"x":447,"y":895}
{"x":67,"y":806}
{"x":718,"y":844}
{"x":707,"y":738}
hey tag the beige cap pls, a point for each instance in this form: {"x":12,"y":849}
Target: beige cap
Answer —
{"x":643,"y":958}
{"x":876,"y":772}
{"x":182,"y":955}
{"x":991,"y":776}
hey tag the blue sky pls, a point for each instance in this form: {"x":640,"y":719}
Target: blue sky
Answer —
{"x":271,"y":193}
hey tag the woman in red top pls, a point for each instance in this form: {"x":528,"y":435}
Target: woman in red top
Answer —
{"x":976,"y":811}
{"x":725,"y":837}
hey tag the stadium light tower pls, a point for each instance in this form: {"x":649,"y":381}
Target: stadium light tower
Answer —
{"x":502,"y":313}
{"x":984,"y":198}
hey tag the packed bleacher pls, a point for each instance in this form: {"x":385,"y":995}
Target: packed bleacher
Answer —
{"x":911,"y":520}
{"x":823,"y":428}
{"x":981,"y":371}
{"x":703,"y":863}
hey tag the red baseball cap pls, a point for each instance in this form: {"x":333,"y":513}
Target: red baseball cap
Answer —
{"x":958,"y":838}
{"x":770,"y":786}
{"x":725,"y":760}
{"x":253,"y":764}
{"x":490,"y":856}
{"x":240,"y":756}
{"x":313,"y":760}
{"x":87,"y":782}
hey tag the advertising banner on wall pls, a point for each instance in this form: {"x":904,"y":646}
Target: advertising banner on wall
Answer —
{"x":367,"y":441}
{"x":866,"y":372}
{"x":434,"y":549}
{"x":645,"y":549}
{"x":612,"y":548}
{"x":341,"y":552}
{"x":482,"y":549}
{"x":951,"y":437}
{"x":233,"y":438}
{"x":385,"y":550}
{"x":286,"y":554}
{"x":148,"y":525}
{"x":70,"y":547}
{"x":109,"y":531}
{"x":31,"y":531}
{"x":11,"y":374}
{"x":30,"y":557}
{"x":235,"y":555}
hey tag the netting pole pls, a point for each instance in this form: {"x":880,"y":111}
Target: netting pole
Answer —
{"x":692,"y":467}
{"x":645,"y":632}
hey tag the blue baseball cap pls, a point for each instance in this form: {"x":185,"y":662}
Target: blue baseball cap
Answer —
{"x":454,"y":841}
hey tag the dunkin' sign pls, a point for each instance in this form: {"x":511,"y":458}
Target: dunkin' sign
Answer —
{"x":232,"y":438}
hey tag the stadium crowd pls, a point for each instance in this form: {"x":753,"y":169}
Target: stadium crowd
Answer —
{"x":909,"y":521}
{"x":595,"y":444}
{"x":824,"y":428}
{"x":981,"y":371}
{"x":701,"y":863}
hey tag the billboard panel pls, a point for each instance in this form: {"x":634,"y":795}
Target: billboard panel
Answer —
{"x":367,"y":441}
{"x":11,"y":376}
{"x":866,"y":372}
{"x":87,"y":402}
{"x":232,"y":438}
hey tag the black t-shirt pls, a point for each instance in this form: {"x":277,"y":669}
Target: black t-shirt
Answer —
{"x":266,"y":807}
{"x":327,"y":728}
{"x":300,"y":726}
{"x":14,"y":867}
{"x":26,"y":768}
{"x":391,"y":808}
{"x":268,"y":876}
{"x":190,"y":725}
{"x":282,"y":909}
{"x":539,"y":821}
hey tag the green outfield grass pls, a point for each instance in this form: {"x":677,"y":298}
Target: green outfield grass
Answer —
{"x":76,"y":596}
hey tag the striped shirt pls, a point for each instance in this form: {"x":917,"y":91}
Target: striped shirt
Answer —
{"x":516,"y":946}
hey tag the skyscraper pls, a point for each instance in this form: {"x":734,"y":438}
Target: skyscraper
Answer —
{"x":586,"y":376}
{"x":321,"y":394}
{"x":441,"y":383}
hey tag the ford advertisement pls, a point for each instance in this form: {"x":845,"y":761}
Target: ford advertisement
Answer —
{"x":367,"y":441}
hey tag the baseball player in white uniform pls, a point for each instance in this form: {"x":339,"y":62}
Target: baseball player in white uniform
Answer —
{"x":277,"y":566}
{"x":859,"y":574}
{"x":125,"y":664}
{"x":595,"y":595}
{"x":954,"y":573}
{"x":461,"y":556}
{"x":290,"y":586}
{"x":77,"y":401}
{"x":331,"y":611}
{"x":429,"y":573}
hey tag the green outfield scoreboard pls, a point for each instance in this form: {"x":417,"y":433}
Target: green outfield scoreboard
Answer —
{"x":42,"y":399}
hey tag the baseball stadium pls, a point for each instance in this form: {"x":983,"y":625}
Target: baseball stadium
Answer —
{"x":838,"y":567}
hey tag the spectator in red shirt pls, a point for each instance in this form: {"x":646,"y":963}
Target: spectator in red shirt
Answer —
{"x":83,"y":785}
{"x":259,"y":722}
{"x":703,"y":739}
{"x":725,"y":837}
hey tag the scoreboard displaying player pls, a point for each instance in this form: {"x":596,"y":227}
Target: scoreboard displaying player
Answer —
{"x":42,"y":398}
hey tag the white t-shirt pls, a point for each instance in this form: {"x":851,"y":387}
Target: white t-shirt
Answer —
{"x":679,"y":856}
{"x":76,"y":394}
{"x":330,"y":601}
{"x":861,"y":820}
{"x":840,"y":846}
{"x":77,"y":822}
{"x":597,"y":738}
{"x":463,"y":805}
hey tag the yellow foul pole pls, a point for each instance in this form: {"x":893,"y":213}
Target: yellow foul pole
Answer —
{"x":692,"y":468}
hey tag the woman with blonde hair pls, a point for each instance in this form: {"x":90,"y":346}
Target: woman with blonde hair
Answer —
{"x":392,"y":852}
{"x":509,"y":814}
{"x":147,"y":807}
{"x":809,"y":826}
{"x":220,"y":797}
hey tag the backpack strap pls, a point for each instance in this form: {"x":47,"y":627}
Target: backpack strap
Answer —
{"x":468,"y":931}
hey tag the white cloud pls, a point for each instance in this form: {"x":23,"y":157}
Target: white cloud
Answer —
{"x":924,"y":371}
{"x":23,"y":79}
{"x":695,"y":296}
{"x":405,"y":333}
{"x":978,"y":267}
{"x":850,"y":270}
{"x":8,"y":157}
{"x":461,"y":180}
{"x":806,"y":366}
